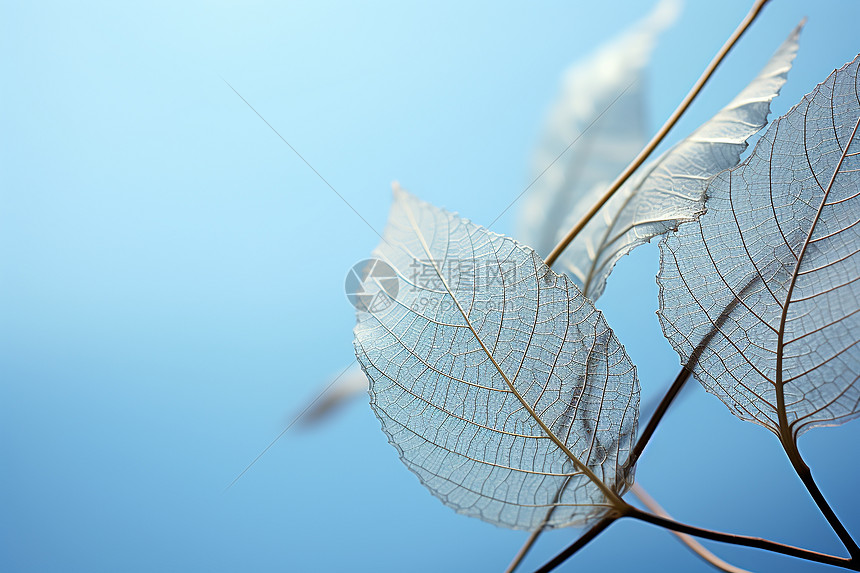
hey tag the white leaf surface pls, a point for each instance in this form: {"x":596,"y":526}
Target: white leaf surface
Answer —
{"x":670,"y":190}
{"x":778,"y":247}
{"x":495,"y":379}
{"x":604,"y":144}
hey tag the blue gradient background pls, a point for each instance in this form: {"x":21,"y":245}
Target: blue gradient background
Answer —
{"x":171,"y":277}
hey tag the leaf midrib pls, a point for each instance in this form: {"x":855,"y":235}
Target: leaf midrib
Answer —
{"x":780,"y":384}
{"x":611,"y":496}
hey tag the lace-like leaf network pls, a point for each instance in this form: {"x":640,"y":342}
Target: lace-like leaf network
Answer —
{"x":662,"y":194}
{"x":481,"y":335}
{"x":778,"y":247}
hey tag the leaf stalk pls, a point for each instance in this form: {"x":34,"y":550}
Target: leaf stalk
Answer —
{"x":805,"y":475}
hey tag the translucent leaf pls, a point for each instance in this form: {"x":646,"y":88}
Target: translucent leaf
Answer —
{"x":609,"y":130}
{"x":670,"y":190}
{"x":778,"y":248}
{"x":494,"y":377}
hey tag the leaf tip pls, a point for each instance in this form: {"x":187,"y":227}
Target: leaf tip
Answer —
{"x":398,"y":192}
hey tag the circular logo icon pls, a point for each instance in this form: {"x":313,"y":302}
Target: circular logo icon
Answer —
{"x":371,"y":285}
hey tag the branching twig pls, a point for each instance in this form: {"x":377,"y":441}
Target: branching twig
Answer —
{"x":788,"y":442}
{"x":742,"y":540}
{"x":745,"y":541}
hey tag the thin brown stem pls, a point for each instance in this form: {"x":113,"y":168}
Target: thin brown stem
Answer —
{"x":584,"y":540}
{"x":661,"y":134}
{"x":657,"y":417}
{"x":745,"y":541}
{"x":742,"y":540}
{"x":651,"y":504}
{"x":805,"y":475}
{"x":536,"y":533}
{"x":521,"y":554}
{"x":684,"y":374}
